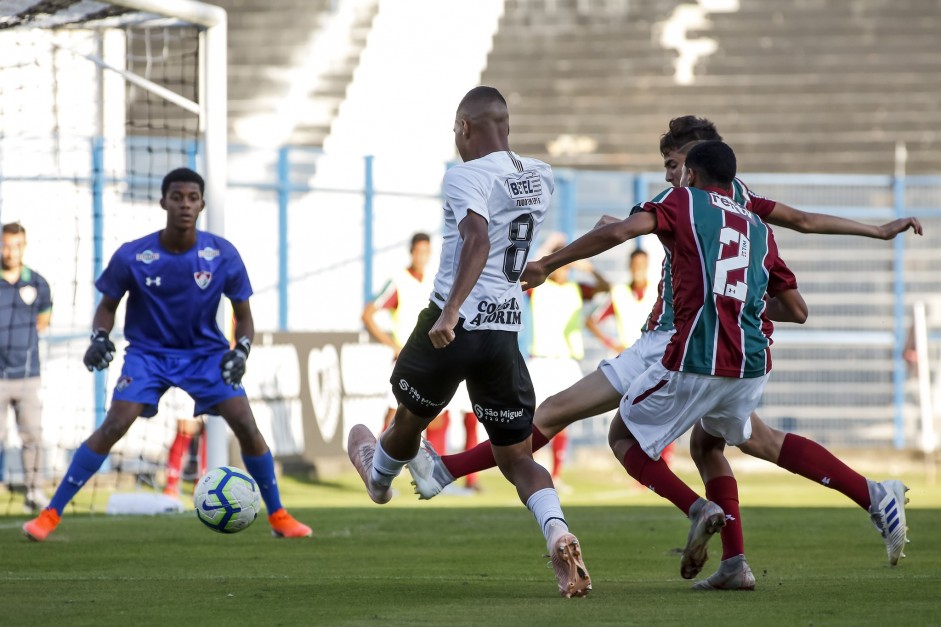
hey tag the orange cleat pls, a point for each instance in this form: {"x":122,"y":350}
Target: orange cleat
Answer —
{"x":38,"y":528}
{"x":283,"y":525}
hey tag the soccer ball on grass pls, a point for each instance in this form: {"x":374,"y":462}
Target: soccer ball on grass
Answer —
{"x":227,"y":499}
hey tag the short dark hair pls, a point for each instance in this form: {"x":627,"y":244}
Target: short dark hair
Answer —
{"x":14,"y":228}
{"x":714,"y":161}
{"x":182,"y":175}
{"x":417,"y":239}
{"x":480,"y":95}
{"x":685,"y":129}
{"x":637,"y":252}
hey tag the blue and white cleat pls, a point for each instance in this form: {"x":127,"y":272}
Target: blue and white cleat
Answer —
{"x":889,"y":518}
{"x":429,"y":474}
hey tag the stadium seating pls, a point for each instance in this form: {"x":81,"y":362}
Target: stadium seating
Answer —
{"x":813,"y":88}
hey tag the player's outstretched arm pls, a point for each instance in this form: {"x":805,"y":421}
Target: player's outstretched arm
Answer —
{"x":787,"y":306}
{"x":474,"y":253}
{"x":822,"y":223}
{"x":594,"y":242}
{"x":101,"y":350}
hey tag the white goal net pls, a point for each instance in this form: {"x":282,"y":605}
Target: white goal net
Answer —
{"x":98,"y":100}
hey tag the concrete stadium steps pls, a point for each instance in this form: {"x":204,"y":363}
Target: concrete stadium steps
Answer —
{"x":813,"y":87}
{"x":268,"y":41}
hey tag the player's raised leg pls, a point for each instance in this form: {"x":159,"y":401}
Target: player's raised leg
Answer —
{"x":85,"y":463}
{"x":380,"y":462}
{"x":884,"y":501}
{"x":592,"y":395}
{"x":260,"y":465}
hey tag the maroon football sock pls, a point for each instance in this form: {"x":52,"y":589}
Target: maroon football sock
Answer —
{"x":808,"y":459}
{"x":723,"y":491}
{"x":657,"y":476}
{"x":180,"y":444}
{"x":481,"y":457}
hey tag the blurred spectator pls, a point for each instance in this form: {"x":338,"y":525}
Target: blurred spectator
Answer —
{"x":557,"y":344}
{"x":25,"y":310}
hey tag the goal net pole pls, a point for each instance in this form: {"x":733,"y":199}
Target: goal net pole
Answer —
{"x":213,"y":97}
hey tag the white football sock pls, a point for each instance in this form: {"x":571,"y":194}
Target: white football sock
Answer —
{"x":545,"y":506}
{"x":384,"y":468}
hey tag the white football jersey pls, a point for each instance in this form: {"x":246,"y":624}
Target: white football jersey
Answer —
{"x":512,"y":193}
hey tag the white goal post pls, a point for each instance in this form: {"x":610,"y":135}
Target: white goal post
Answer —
{"x":98,"y":100}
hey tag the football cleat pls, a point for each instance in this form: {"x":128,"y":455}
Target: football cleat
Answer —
{"x":707,"y":520}
{"x":283,"y":525}
{"x":889,"y":518}
{"x":361,"y":447}
{"x":570,"y":571}
{"x":733,"y":574}
{"x":429,"y":474}
{"x":40,"y":527}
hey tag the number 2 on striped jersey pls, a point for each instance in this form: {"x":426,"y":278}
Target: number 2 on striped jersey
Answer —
{"x":721,"y":285}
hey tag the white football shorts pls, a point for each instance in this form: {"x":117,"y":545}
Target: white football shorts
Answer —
{"x":627,"y":367}
{"x":661,"y":405}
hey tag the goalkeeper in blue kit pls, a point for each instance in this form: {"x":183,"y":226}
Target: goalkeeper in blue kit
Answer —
{"x":175,"y":279}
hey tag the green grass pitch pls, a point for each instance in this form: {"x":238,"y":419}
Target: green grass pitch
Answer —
{"x":475,"y":560}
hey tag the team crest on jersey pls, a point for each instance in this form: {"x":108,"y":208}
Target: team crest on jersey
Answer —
{"x":148,"y":256}
{"x":123,"y":383}
{"x":28,"y":294}
{"x":202,"y":279}
{"x":525,"y":187}
{"x":208,"y":253}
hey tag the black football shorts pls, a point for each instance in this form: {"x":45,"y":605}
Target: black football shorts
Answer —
{"x":425,"y":378}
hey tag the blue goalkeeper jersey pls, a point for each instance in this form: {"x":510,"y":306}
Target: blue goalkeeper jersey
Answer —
{"x":173,"y":298}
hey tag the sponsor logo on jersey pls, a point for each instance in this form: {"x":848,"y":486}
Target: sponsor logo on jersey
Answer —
{"x":497,"y":415}
{"x":202,"y":279}
{"x":152,"y":281}
{"x":525,"y":188}
{"x":727,"y":204}
{"x":123,"y":383}
{"x":148,"y":256}
{"x":416,"y":396}
{"x":507,"y":312}
{"x":208,"y":253}
{"x":28,"y":294}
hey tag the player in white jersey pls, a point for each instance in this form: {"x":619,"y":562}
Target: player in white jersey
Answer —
{"x":495,"y":203}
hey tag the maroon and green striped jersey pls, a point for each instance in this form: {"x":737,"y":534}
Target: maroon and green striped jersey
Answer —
{"x":723,"y":259}
{"x":661,"y":314}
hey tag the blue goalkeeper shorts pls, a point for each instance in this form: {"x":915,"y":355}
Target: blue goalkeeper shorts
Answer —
{"x":145,"y":378}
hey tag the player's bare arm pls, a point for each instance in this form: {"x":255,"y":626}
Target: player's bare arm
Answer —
{"x":244,"y":321}
{"x":103,"y":319}
{"x":822,"y":223}
{"x":588,"y":245}
{"x":42,"y":320}
{"x":375,"y":331}
{"x":788,"y":306}
{"x":605,"y":220}
{"x":474,"y":253}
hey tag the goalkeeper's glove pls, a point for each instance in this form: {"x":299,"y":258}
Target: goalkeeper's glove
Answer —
{"x":233,"y":362}
{"x":100,"y":352}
